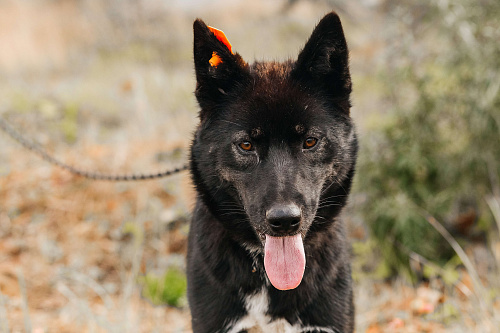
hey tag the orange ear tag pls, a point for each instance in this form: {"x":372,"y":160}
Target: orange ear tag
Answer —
{"x":216,"y":59}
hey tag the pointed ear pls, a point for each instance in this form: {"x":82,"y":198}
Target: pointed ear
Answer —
{"x":218,"y":70}
{"x":324,"y":62}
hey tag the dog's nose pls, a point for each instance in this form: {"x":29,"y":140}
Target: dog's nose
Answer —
{"x":284,"y":218}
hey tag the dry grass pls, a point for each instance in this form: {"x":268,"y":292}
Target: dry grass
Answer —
{"x":65,"y":237}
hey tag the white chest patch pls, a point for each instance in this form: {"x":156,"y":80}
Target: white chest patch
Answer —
{"x":257,"y":321}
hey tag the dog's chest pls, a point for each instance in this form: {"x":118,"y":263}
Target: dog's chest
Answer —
{"x":257,"y":321}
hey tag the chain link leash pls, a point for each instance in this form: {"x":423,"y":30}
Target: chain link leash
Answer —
{"x":37,"y":149}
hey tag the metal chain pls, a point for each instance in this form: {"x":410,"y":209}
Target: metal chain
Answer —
{"x":37,"y":149}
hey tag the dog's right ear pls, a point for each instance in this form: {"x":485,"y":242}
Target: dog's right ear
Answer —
{"x":323,"y":64}
{"x":218,"y":70}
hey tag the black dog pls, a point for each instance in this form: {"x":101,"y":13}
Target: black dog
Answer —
{"x":272,"y":161}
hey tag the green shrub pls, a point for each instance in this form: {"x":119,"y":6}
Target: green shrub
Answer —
{"x":437,"y":149}
{"x":167,"y":289}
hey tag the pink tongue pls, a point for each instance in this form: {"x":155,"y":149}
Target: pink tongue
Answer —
{"x":285,"y":261}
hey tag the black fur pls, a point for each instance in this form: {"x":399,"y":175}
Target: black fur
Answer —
{"x":275,"y":107}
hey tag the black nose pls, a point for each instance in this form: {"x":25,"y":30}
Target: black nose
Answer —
{"x":284,"y":218}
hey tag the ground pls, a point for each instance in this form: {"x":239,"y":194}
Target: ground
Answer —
{"x":72,"y":251}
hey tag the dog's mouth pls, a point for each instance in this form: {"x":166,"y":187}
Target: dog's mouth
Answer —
{"x":284,"y":261}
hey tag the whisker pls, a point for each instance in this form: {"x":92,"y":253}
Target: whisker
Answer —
{"x":230,"y":213}
{"x":327,"y":201}
{"x":342,"y":187}
{"x":333,"y":196}
{"x":326,"y":189}
{"x":230,"y":204}
{"x":332,"y":204}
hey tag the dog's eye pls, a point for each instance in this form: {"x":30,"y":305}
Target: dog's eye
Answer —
{"x":246,"y":145}
{"x":310,"y":142}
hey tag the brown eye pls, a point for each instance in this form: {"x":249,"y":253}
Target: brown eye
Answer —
{"x":310,"y":142}
{"x":246,"y":145}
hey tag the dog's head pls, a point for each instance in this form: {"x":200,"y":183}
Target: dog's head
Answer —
{"x":274,"y":154}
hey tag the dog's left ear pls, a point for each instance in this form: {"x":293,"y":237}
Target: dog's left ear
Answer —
{"x":218,"y":70}
{"x":324,"y":62}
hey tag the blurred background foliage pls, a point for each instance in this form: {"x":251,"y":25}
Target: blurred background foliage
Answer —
{"x":167,"y":289}
{"x":435,"y":147}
